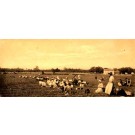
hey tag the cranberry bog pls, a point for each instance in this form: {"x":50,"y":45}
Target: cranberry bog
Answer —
{"x":13,"y":85}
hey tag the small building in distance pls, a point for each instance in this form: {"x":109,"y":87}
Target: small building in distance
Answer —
{"x":108,"y":70}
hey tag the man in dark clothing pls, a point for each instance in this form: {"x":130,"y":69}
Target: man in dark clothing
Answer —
{"x":121,"y":92}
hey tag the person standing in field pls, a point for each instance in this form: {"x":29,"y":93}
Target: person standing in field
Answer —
{"x":110,"y":86}
{"x":100,"y":87}
{"x":79,"y":77}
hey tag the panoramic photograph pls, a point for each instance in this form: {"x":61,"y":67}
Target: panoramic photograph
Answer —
{"x":67,"y":68}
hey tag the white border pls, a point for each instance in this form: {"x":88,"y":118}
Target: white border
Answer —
{"x":67,"y":19}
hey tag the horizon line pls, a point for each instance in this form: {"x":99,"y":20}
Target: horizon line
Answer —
{"x":65,"y":67}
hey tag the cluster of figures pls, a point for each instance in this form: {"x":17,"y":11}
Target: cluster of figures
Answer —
{"x":66,"y":85}
{"x":69,"y":86}
{"x":126,"y":82}
{"x":110,"y":88}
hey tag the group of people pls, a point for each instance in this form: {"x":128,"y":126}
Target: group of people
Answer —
{"x":66,"y":85}
{"x":126,"y":82}
{"x":110,"y":88}
{"x":69,"y":85}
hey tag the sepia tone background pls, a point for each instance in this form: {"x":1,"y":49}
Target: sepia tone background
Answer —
{"x":25,"y":63}
{"x":106,"y":19}
{"x":67,"y":53}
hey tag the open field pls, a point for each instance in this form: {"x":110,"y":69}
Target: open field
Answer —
{"x":11,"y":85}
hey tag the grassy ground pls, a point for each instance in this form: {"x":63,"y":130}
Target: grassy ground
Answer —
{"x":13,"y":86}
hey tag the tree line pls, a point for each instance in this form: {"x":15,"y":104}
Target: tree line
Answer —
{"x":98,"y":69}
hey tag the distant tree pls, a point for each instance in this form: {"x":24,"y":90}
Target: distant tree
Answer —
{"x":74,"y":70}
{"x":29,"y":70}
{"x":92,"y":69}
{"x":96,"y":70}
{"x":36,"y":69}
{"x":55,"y":70}
{"x":18,"y":69}
{"x":115,"y":69}
{"x":99,"y":70}
{"x":124,"y":70}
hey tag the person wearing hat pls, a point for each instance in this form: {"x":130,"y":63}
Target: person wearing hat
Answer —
{"x":100,"y":87}
{"x":110,"y":86}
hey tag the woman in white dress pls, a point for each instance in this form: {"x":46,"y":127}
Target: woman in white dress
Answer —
{"x":110,"y":84}
{"x":100,"y":87}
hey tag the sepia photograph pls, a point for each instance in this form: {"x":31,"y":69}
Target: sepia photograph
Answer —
{"x":67,"y":68}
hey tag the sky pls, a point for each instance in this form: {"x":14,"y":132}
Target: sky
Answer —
{"x":67,"y":53}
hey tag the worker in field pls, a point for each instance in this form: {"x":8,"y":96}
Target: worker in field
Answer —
{"x":120,"y":83}
{"x":100,"y":87}
{"x":79,"y":77}
{"x":75,"y":81}
{"x":110,"y":86}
